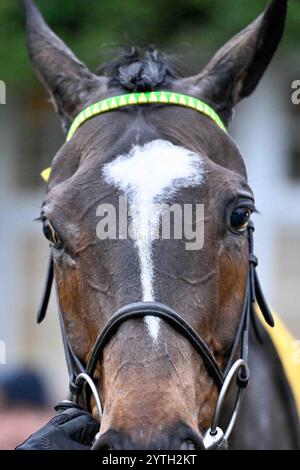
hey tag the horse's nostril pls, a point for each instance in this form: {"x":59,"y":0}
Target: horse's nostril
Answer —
{"x":188,"y":445}
{"x":105,"y":447}
{"x":187,"y":438}
{"x":102,"y":443}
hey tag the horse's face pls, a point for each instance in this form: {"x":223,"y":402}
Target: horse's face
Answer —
{"x":155,"y":389}
{"x":151,"y":379}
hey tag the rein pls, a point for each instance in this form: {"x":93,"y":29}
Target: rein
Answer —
{"x":81,"y":375}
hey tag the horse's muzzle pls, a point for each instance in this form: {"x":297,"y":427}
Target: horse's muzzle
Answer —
{"x":182,"y":437}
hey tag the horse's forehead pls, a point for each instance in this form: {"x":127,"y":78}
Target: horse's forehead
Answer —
{"x":159,"y":169}
{"x":155,"y":168}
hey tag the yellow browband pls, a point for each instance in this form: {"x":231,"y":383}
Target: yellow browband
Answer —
{"x":130,"y":99}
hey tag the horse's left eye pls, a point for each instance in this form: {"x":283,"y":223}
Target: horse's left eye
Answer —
{"x":50,"y":233}
{"x":240,"y":218}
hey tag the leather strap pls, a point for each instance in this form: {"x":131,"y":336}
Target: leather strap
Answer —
{"x":256,"y":290}
{"x":42,"y":310}
{"x":142,"y":309}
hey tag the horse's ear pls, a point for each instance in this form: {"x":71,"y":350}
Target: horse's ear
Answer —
{"x":67,"y":79}
{"x":236,"y":69}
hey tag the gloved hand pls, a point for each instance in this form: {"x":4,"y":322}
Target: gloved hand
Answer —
{"x":72,"y":429}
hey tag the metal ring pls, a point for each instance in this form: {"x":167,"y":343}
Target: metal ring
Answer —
{"x":83,"y":377}
{"x":240,"y":363}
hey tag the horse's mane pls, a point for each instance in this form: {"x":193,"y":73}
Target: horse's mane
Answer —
{"x":138,"y":69}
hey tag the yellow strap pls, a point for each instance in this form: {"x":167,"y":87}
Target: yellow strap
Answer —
{"x":289,"y":352}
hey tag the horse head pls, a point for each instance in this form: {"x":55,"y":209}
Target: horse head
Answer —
{"x":156,"y":391}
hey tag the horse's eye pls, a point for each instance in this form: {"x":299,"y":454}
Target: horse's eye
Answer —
{"x":50,"y":233}
{"x":240,"y":218}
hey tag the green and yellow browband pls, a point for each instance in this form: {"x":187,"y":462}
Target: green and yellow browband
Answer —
{"x":116,"y":102}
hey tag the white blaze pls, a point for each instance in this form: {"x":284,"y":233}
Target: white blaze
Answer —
{"x":148,"y":175}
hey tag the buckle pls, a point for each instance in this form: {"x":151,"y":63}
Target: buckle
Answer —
{"x":243,"y":377}
{"x":215,"y":440}
{"x":253,"y":259}
{"x":75,"y":388}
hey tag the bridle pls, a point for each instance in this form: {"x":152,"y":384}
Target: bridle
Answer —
{"x":81,"y":375}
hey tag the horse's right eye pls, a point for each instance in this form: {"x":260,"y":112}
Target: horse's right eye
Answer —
{"x":50,"y":233}
{"x":240,"y":218}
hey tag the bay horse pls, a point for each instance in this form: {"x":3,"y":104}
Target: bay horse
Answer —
{"x":158,"y":377}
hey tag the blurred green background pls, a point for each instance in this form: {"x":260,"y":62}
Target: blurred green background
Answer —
{"x":192,"y":28}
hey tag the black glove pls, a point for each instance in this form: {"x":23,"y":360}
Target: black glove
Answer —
{"x":72,"y":429}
